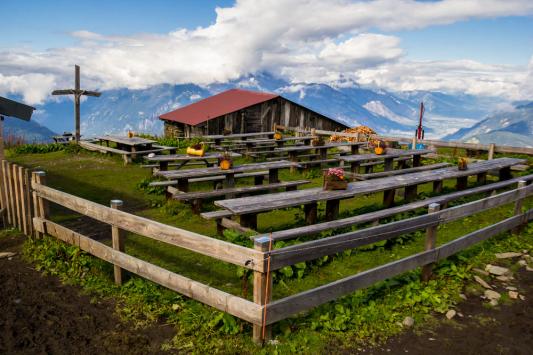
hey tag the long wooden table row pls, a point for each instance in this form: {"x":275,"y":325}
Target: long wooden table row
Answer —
{"x":248,"y":207}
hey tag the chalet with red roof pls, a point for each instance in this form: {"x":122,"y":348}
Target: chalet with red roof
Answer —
{"x":242,"y":111}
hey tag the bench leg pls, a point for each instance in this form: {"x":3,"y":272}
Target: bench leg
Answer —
{"x":220,"y":227}
{"x":388,"y":197}
{"x":401,"y":164}
{"x":163,"y":166}
{"x":258,"y":180}
{"x":355,"y":149}
{"x":505,"y":174}
{"x":291,"y":188}
{"x":354,"y":168}
{"x":196,"y":205}
{"x":369,"y":169}
{"x":410,"y":193}
{"x":311,"y":213}
{"x":249,"y":221}
{"x":332,"y":210}
{"x":273,"y":176}
{"x":389,"y":164}
{"x":482,"y":178}
{"x":462,"y":183}
{"x":183,"y":185}
{"x":437,"y":186}
{"x":416,"y":160}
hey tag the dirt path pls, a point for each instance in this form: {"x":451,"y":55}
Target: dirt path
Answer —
{"x":39,"y":315}
{"x":505,"y":329}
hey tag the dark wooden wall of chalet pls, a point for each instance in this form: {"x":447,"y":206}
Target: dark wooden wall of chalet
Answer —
{"x":261,"y":118}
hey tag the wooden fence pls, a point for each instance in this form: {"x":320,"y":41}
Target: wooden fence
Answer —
{"x":490,"y":148}
{"x":25,"y":199}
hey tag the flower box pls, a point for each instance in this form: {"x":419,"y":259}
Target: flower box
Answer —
{"x":197,"y":150}
{"x":334,"y":179}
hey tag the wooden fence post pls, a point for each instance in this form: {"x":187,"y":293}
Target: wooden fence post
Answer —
{"x":430,"y":243}
{"x":11,"y":200}
{"x":490,"y":155}
{"x":3,"y":196}
{"x":117,"y":236}
{"x":40,"y":205}
{"x":518,"y":208}
{"x":22,"y":195}
{"x":27,"y":202}
{"x":262,"y":284}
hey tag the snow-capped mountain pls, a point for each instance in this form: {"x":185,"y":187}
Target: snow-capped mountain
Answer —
{"x":118,"y":111}
{"x":512,"y":127}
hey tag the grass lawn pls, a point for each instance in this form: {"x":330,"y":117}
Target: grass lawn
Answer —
{"x":100,"y":178}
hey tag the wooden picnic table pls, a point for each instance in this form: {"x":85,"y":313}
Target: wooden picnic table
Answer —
{"x":132,"y":145}
{"x":248,"y":207}
{"x":218,"y":138}
{"x":183,"y":159}
{"x":388,"y":158}
{"x":183,"y":176}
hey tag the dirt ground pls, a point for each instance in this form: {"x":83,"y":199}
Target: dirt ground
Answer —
{"x":504,"y":329}
{"x":39,"y":315}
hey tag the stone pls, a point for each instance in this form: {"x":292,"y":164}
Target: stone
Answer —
{"x":529,"y":268}
{"x":496,"y":270}
{"x":6,"y":254}
{"x":450,"y":314}
{"x":511,"y":288}
{"x":460,"y":314}
{"x":493,"y":303}
{"x":492,"y":295}
{"x":463,"y":296}
{"x":522,"y":262}
{"x":508,"y":255}
{"x":522,"y":297}
{"x":482,"y":282}
{"x":408,"y":321}
{"x":513,"y":295}
{"x":504,"y":278}
{"x":480,"y":272}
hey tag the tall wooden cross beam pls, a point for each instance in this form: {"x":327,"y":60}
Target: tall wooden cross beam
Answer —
{"x":77,"y":92}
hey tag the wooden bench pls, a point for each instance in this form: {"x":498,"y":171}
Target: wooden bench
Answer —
{"x":369,"y":167}
{"x":400,"y":171}
{"x":306,"y":164}
{"x":192,"y":163}
{"x":197,"y":197}
{"x":258,"y":175}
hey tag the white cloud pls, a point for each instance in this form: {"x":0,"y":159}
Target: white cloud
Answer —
{"x":305,"y":40}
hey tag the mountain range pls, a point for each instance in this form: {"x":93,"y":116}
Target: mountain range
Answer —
{"x":120,"y":110}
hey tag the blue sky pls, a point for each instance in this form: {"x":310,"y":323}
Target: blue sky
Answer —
{"x":482,"y":47}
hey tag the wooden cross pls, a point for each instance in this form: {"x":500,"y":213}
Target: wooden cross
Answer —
{"x":77,"y":92}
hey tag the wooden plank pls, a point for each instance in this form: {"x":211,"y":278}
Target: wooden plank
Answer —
{"x":262,"y":291}
{"x":7,"y":190}
{"x":401,"y":171}
{"x":133,"y":141}
{"x":22,"y":196}
{"x":213,"y":297}
{"x":482,"y":234}
{"x":118,"y":242}
{"x":28,"y":201}
{"x":16,"y":195}
{"x":430,"y":242}
{"x":372,"y":216}
{"x":327,"y":246}
{"x":238,"y":190}
{"x":212,"y":247}
{"x":285,"y":307}
{"x":100,"y":148}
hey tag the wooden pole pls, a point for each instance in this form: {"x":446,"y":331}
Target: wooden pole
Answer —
{"x":27,"y":199}
{"x":77,"y":101}
{"x":430,"y":243}
{"x":491,"y":151}
{"x":518,"y":208}
{"x":40,"y":205}
{"x":260,"y":284}
{"x":1,"y":137}
{"x":117,"y":236}
{"x":7,"y":190}
{"x":16,"y":190}
{"x":22,"y":195}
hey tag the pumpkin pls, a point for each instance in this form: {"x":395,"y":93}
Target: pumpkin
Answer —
{"x":379,"y":150}
{"x":225,"y":164}
{"x":277,"y":136}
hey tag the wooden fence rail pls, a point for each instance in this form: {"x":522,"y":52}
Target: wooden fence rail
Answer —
{"x":24,"y":204}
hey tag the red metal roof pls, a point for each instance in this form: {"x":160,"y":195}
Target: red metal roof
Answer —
{"x":216,"y":106}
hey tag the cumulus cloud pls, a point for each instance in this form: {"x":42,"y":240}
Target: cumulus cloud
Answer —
{"x":304,"y":40}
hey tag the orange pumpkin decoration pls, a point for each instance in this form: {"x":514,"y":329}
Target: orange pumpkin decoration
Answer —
{"x":225,"y":164}
{"x":277,"y":136}
{"x":380,"y":147}
{"x":195,"y":150}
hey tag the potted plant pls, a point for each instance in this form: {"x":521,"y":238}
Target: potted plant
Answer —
{"x":334,"y":179}
{"x":462,"y":164}
{"x":196,"y":149}
{"x":380,"y":147}
{"x":225,"y":162}
{"x":278,"y":136}
{"x":317,"y":141}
